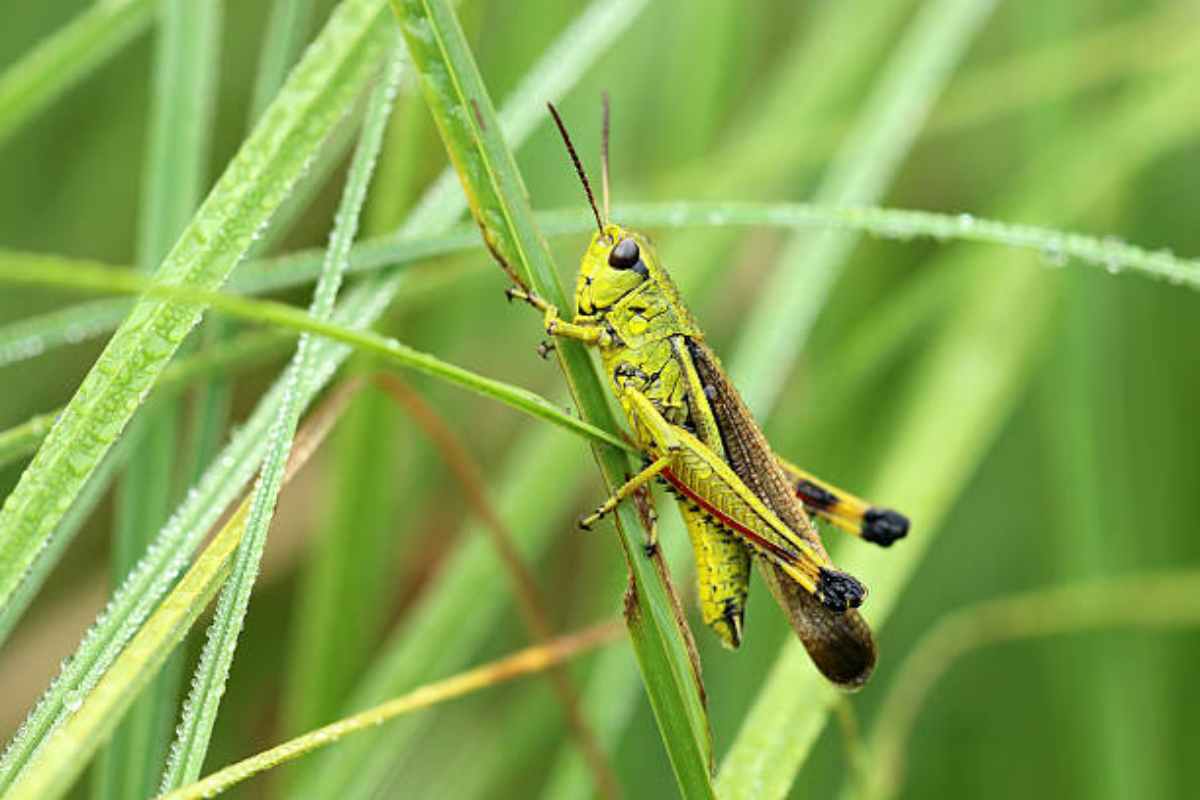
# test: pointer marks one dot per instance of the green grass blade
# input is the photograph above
(1058, 248)
(242, 352)
(257, 180)
(287, 30)
(450, 625)
(332, 74)
(69, 746)
(33, 336)
(93, 492)
(285, 316)
(1055, 247)
(1170, 600)
(914, 76)
(530, 660)
(208, 682)
(65, 58)
(180, 126)
(463, 111)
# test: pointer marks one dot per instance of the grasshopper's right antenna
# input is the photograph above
(587, 187)
(604, 153)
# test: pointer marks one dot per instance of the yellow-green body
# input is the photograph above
(648, 323)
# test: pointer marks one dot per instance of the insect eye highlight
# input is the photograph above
(625, 255)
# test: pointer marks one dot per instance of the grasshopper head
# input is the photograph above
(614, 265)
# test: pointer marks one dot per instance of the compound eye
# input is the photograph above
(625, 255)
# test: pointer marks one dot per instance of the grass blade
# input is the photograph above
(917, 71)
(69, 747)
(287, 29)
(180, 126)
(1167, 600)
(34, 336)
(65, 58)
(93, 492)
(463, 111)
(539, 657)
(286, 316)
(260, 176)
(245, 350)
(208, 682)
(332, 74)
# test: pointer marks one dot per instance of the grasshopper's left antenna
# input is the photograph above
(587, 187)
(604, 153)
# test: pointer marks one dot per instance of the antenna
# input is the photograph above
(587, 187)
(604, 153)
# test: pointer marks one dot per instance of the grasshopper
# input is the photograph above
(740, 502)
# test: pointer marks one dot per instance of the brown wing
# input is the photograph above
(839, 642)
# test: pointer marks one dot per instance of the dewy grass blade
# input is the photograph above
(287, 29)
(449, 627)
(239, 353)
(140, 592)
(185, 77)
(93, 492)
(285, 316)
(471, 132)
(208, 682)
(32, 337)
(65, 753)
(256, 182)
(65, 58)
(333, 73)
(69, 747)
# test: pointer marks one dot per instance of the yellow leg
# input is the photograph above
(631, 486)
(591, 335)
(845, 511)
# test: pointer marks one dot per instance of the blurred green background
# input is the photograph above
(1092, 470)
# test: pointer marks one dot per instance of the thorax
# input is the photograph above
(642, 324)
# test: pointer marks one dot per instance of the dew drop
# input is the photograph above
(1053, 256)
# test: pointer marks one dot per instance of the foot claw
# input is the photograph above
(545, 349)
